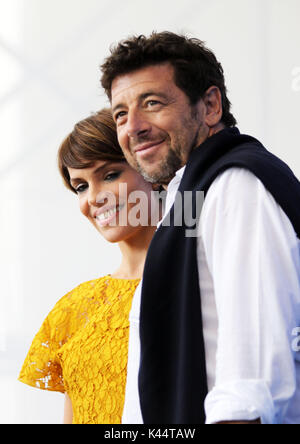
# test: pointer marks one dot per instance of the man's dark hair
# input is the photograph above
(195, 67)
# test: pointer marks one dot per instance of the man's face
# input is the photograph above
(157, 127)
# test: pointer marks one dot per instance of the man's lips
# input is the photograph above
(147, 146)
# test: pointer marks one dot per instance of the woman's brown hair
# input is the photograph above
(92, 139)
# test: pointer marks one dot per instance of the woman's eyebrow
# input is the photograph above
(96, 171)
(100, 168)
(75, 180)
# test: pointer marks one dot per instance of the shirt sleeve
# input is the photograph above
(253, 257)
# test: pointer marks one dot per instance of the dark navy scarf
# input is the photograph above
(172, 377)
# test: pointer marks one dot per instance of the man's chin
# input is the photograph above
(160, 171)
(159, 177)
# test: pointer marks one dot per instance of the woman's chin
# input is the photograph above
(115, 234)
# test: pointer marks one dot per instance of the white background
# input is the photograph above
(50, 52)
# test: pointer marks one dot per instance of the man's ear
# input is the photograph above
(213, 103)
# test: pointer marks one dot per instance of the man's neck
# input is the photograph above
(211, 131)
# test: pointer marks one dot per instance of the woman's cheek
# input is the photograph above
(83, 206)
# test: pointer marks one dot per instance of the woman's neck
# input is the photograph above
(134, 251)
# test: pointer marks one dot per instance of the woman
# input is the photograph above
(81, 349)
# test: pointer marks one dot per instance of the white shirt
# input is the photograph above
(249, 272)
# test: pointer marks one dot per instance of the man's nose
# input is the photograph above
(137, 124)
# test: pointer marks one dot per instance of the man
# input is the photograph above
(218, 310)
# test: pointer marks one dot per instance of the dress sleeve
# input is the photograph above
(41, 368)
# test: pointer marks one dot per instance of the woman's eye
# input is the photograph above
(80, 188)
(112, 176)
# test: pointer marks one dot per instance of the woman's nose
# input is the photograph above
(92, 195)
(95, 194)
(97, 197)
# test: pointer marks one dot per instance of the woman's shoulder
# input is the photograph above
(69, 311)
(80, 294)
(87, 296)
(83, 289)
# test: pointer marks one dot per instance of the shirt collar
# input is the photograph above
(177, 178)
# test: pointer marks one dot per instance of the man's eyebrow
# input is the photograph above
(141, 97)
(118, 106)
(152, 93)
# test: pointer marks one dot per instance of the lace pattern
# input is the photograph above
(82, 349)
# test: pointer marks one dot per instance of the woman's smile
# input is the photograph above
(105, 192)
(108, 216)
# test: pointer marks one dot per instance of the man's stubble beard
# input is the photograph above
(167, 168)
(177, 155)
(175, 159)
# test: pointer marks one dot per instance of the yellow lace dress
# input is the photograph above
(82, 349)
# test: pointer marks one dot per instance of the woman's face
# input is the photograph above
(114, 197)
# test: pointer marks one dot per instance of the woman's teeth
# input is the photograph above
(108, 213)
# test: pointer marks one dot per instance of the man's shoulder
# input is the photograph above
(235, 183)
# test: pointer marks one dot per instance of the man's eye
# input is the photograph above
(153, 103)
(119, 115)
